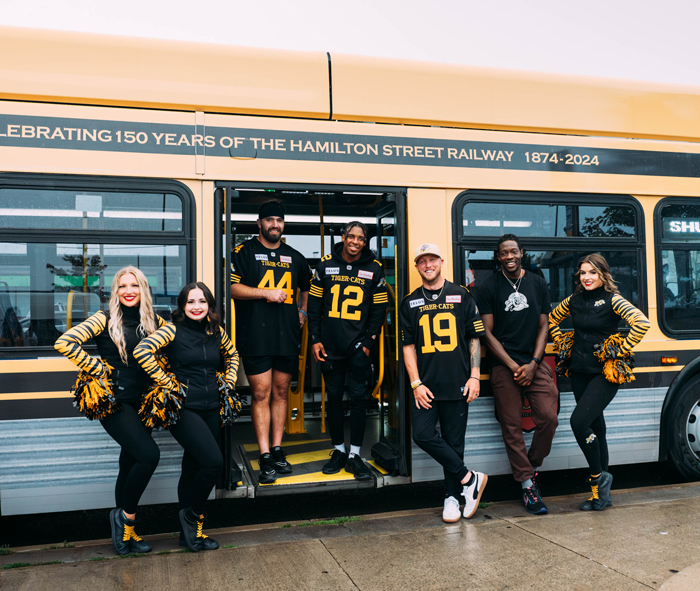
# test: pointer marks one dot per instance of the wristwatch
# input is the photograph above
(537, 360)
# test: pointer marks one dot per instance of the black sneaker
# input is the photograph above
(598, 502)
(267, 474)
(533, 502)
(207, 542)
(282, 466)
(358, 468)
(536, 481)
(337, 461)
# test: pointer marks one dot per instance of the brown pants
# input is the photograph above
(542, 395)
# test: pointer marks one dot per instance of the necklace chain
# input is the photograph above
(435, 297)
(516, 285)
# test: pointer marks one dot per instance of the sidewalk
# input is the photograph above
(650, 539)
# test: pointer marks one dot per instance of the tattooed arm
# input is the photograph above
(471, 388)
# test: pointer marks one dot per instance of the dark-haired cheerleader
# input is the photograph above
(194, 346)
(116, 332)
(598, 360)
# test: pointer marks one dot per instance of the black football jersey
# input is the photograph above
(347, 303)
(441, 329)
(262, 327)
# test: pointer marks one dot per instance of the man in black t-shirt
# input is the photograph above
(514, 306)
(347, 304)
(265, 276)
(440, 328)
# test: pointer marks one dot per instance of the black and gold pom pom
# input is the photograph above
(230, 402)
(94, 397)
(562, 347)
(161, 404)
(617, 363)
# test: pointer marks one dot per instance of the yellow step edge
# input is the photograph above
(311, 478)
(377, 467)
(312, 456)
(35, 395)
(254, 446)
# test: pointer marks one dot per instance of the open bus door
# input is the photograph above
(312, 225)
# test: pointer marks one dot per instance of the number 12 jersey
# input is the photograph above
(440, 324)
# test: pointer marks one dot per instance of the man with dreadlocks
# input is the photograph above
(599, 361)
(514, 305)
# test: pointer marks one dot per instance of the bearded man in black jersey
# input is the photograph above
(265, 276)
(515, 305)
(441, 329)
(347, 304)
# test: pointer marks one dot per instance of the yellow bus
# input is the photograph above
(117, 151)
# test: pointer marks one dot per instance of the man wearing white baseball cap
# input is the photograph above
(440, 331)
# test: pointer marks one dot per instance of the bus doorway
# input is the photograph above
(313, 221)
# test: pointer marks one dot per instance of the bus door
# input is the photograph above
(313, 221)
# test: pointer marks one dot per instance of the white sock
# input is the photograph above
(527, 483)
(354, 450)
(340, 447)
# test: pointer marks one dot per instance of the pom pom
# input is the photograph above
(230, 402)
(162, 403)
(562, 347)
(617, 363)
(94, 396)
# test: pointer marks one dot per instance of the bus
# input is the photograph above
(122, 151)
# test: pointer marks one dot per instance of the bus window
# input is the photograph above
(556, 231)
(678, 267)
(551, 220)
(60, 248)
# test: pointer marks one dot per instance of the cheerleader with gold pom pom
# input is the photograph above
(190, 401)
(110, 388)
(598, 359)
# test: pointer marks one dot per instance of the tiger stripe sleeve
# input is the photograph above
(639, 323)
(556, 317)
(70, 344)
(145, 352)
(160, 322)
(231, 359)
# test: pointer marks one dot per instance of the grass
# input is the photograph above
(49, 562)
(4, 550)
(286, 526)
(484, 505)
(336, 521)
(230, 546)
(98, 558)
(132, 555)
(15, 565)
(66, 544)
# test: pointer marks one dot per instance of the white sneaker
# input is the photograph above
(472, 493)
(451, 512)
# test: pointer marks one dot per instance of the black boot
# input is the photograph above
(600, 499)
(137, 545)
(189, 521)
(207, 542)
(121, 536)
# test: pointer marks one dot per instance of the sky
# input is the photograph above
(640, 40)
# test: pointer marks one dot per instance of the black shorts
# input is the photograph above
(262, 363)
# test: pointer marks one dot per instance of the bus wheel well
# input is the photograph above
(681, 427)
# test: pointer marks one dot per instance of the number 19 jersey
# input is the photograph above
(265, 328)
(440, 324)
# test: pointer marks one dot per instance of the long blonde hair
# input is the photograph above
(147, 325)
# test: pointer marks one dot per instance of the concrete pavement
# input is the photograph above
(650, 539)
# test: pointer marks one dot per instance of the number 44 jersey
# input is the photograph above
(440, 324)
(262, 327)
(347, 303)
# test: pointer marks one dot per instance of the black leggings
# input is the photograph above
(198, 432)
(138, 459)
(593, 393)
(358, 368)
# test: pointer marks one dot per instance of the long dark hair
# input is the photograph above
(212, 316)
(600, 265)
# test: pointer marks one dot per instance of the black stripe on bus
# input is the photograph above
(50, 408)
(52, 381)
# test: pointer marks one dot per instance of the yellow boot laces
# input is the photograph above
(200, 533)
(594, 490)
(130, 534)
